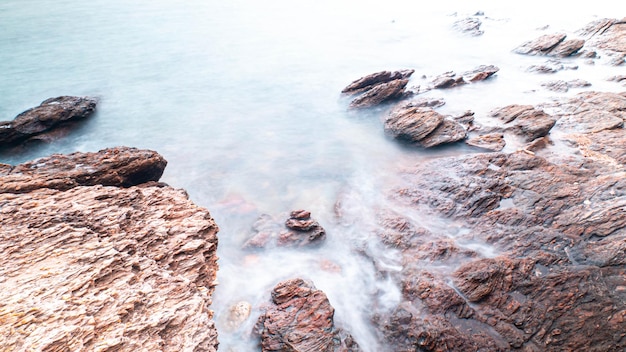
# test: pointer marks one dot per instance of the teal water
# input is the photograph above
(242, 98)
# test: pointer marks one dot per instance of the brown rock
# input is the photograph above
(298, 230)
(300, 318)
(120, 166)
(607, 34)
(106, 268)
(591, 112)
(480, 73)
(563, 86)
(492, 141)
(374, 79)
(50, 114)
(412, 123)
(381, 93)
(447, 80)
(525, 120)
(542, 45)
(449, 131)
(567, 48)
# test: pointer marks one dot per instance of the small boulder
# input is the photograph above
(469, 25)
(370, 81)
(381, 93)
(493, 141)
(525, 120)
(540, 46)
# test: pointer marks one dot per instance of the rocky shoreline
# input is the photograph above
(99, 255)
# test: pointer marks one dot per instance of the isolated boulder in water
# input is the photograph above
(299, 230)
(89, 268)
(368, 82)
(120, 167)
(301, 319)
(469, 25)
(380, 93)
(51, 114)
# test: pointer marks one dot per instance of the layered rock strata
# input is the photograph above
(99, 257)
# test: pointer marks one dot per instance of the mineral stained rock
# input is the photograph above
(525, 120)
(300, 318)
(381, 93)
(368, 82)
(50, 114)
(536, 242)
(103, 267)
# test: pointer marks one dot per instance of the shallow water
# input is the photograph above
(242, 98)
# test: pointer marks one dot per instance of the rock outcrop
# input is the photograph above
(96, 260)
(422, 126)
(300, 318)
(469, 25)
(53, 113)
(525, 120)
(551, 45)
(379, 87)
(534, 245)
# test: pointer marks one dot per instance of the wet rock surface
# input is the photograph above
(551, 45)
(53, 113)
(300, 318)
(525, 120)
(422, 126)
(534, 245)
(103, 267)
(299, 230)
(378, 87)
(492, 141)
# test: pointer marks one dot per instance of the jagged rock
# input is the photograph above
(447, 80)
(492, 141)
(300, 319)
(618, 79)
(480, 73)
(589, 112)
(567, 48)
(298, 230)
(121, 166)
(542, 45)
(563, 86)
(525, 120)
(50, 114)
(551, 66)
(94, 268)
(469, 25)
(449, 131)
(370, 81)
(607, 34)
(381, 93)
(412, 123)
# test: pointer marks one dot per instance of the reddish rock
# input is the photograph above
(412, 123)
(374, 79)
(480, 73)
(380, 94)
(120, 166)
(542, 45)
(492, 141)
(299, 230)
(589, 112)
(88, 268)
(449, 131)
(447, 80)
(525, 120)
(300, 318)
(50, 114)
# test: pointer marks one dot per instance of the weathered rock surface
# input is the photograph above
(368, 82)
(525, 120)
(381, 93)
(607, 34)
(535, 242)
(101, 268)
(480, 73)
(121, 166)
(299, 230)
(491, 141)
(469, 25)
(551, 45)
(563, 86)
(300, 318)
(50, 114)
(422, 126)
(551, 66)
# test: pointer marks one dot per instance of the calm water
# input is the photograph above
(242, 98)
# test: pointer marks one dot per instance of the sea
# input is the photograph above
(243, 98)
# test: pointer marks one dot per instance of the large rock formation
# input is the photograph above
(300, 319)
(532, 258)
(51, 114)
(422, 126)
(98, 257)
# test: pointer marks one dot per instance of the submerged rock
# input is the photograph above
(100, 267)
(469, 25)
(563, 86)
(300, 318)
(50, 114)
(299, 230)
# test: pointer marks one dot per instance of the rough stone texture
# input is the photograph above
(532, 257)
(449, 131)
(412, 123)
(447, 80)
(121, 166)
(299, 230)
(469, 25)
(50, 114)
(525, 120)
(381, 93)
(103, 268)
(492, 141)
(607, 34)
(563, 86)
(551, 66)
(300, 319)
(368, 82)
(480, 73)
(542, 45)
